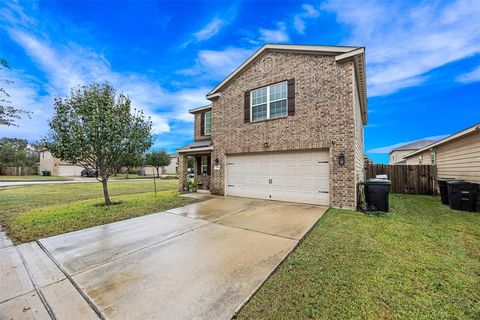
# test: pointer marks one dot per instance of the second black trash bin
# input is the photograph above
(376, 194)
(462, 195)
(442, 185)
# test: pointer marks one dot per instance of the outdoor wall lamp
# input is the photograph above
(215, 162)
(341, 159)
(266, 144)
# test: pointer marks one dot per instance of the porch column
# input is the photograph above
(182, 170)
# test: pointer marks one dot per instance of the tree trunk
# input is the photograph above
(105, 191)
(158, 174)
(127, 172)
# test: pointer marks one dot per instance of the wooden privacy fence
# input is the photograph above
(416, 179)
(18, 171)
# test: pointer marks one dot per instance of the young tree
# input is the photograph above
(157, 159)
(8, 113)
(95, 127)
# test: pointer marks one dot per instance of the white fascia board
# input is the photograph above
(349, 54)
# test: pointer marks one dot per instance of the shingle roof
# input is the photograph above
(414, 145)
(196, 144)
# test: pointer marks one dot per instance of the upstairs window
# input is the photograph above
(434, 160)
(269, 102)
(208, 123)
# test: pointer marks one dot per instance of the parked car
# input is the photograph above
(89, 173)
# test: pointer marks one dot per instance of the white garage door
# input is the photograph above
(298, 176)
(65, 170)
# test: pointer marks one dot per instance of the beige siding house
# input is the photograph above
(286, 125)
(457, 156)
(171, 169)
(56, 166)
(397, 155)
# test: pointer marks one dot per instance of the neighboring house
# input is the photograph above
(457, 156)
(286, 125)
(56, 166)
(397, 155)
(172, 168)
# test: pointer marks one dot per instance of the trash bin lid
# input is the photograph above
(379, 181)
(457, 182)
(447, 179)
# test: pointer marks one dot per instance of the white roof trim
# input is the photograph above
(454, 136)
(349, 54)
(299, 48)
(208, 106)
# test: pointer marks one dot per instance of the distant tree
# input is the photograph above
(8, 113)
(17, 153)
(157, 159)
(95, 127)
(133, 161)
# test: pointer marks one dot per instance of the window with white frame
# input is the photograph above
(208, 123)
(204, 166)
(432, 155)
(269, 102)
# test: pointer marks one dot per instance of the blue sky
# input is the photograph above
(423, 57)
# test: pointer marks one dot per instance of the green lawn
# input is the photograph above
(22, 178)
(420, 261)
(33, 212)
(122, 176)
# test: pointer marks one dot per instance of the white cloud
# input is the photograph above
(275, 35)
(217, 64)
(403, 43)
(214, 26)
(209, 30)
(67, 66)
(472, 76)
(24, 94)
(308, 12)
(387, 149)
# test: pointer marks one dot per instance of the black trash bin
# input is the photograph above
(376, 194)
(462, 195)
(442, 185)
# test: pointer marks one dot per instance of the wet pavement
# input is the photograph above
(201, 261)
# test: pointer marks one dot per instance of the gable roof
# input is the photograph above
(419, 144)
(457, 135)
(357, 54)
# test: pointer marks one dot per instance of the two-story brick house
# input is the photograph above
(286, 125)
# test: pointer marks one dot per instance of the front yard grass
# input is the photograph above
(419, 261)
(33, 212)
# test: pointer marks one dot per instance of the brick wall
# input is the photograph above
(197, 127)
(182, 170)
(324, 117)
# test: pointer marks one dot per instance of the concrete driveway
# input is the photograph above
(201, 261)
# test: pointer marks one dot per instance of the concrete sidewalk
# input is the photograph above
(201, 261)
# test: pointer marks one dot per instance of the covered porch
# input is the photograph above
(195, 162)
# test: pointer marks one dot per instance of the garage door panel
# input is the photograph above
(68, 170)
(300, 176)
